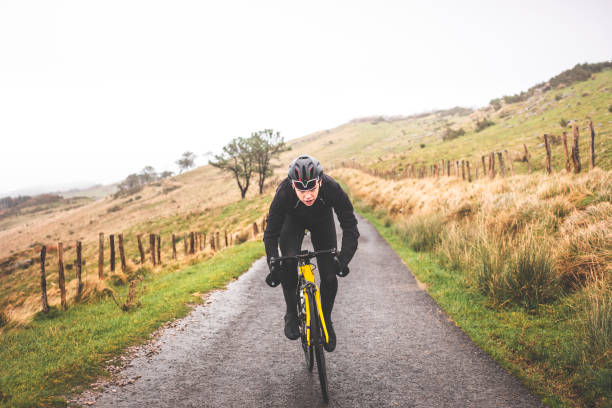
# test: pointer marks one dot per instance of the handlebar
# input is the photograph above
(304, 255)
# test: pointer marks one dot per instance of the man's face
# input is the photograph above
(308, 197)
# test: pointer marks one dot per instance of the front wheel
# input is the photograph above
(317, 339)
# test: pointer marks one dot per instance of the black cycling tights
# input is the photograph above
(323, 236)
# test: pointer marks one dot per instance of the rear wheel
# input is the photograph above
(317, 342)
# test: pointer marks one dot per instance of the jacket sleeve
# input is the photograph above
(274, 222)
(346, 215)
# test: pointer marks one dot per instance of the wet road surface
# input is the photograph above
(396, 348)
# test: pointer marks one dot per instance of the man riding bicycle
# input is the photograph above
(303, 201)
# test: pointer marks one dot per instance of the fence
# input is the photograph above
(193, 243)
(463, 168)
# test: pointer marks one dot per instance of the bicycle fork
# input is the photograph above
(319, 309)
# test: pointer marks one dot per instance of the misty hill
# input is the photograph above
(377, 142)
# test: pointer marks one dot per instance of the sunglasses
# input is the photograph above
(306, 185)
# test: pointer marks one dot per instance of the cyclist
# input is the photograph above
(304, 200)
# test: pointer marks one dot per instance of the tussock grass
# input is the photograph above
(529, 247)
(421, 234)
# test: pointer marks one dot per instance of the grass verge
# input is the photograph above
(55, 355)
(542, 349)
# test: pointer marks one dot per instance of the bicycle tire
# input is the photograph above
(308, 350)
(317, 342)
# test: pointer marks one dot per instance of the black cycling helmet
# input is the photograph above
(304, 172)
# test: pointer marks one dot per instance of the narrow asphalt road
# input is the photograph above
(396, 347)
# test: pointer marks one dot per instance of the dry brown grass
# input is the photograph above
(566, 218)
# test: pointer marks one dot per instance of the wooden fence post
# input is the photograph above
(509, 162)
(122, 254)
(484, 168)
(191, 243)
(173, 246)
(101, 257)
(568, 166)
(43, 279)
(212, 241)
(592, 144)
(527, 158)
(60, 267)
(152, 248)
(79, 268)
(492, 165)
(200, 241)
(469, 172)
(547, 146)
(463, 169)
(185, 243)
(226, 241)
(502, 166)
(255, 230)
(111, 239)
(159, 249)
(204, 233)
(217, 240)
(448, 168)
(141, 249)
(575, 149)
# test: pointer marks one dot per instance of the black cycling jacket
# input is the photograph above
(330, 196)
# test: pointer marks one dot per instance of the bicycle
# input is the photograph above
(313, 330)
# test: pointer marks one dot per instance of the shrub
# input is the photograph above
(450, 134)
(483, 124)
(610, 108)
(495, 104)
(3, 319)
(563, 123)
(422, 145)
(114, 208)
(558, 97)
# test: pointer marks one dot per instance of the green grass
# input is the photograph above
(542, 349)
(61, 352)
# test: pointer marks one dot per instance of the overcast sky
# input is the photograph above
(93, 91)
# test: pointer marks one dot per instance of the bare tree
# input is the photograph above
(186, 161)
(237, 158)
(266, 145)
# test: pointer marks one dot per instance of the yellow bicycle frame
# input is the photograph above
(307, 272)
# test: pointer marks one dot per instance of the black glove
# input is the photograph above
(341, 269)
(274, 277)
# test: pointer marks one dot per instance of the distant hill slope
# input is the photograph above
(396, 142)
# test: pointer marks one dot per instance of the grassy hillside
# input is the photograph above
(394, 143)
(522, 264)
(20, 273)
